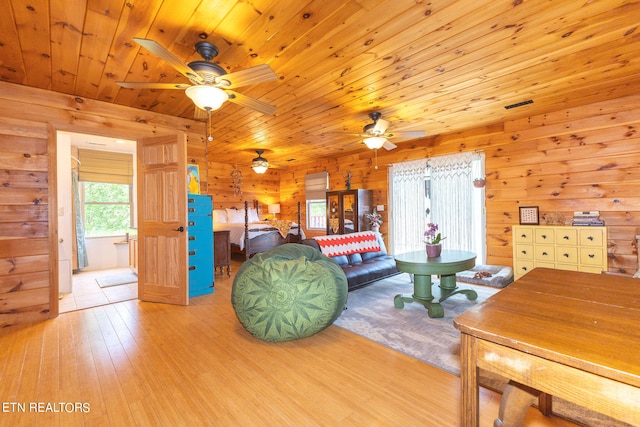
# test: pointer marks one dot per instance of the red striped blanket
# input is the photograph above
(345, 244)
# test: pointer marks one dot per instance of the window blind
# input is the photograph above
(316, 185)
(105, 166)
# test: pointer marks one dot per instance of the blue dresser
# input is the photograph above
(200, 232)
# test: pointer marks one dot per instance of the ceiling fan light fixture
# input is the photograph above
(374, 142)
(260, 164)
(207, 97)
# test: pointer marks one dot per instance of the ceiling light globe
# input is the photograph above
(260, 167)
(207, 97)
(374, 142)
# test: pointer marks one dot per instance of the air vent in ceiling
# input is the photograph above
(519, 104)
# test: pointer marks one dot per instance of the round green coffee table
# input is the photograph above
(446, 265)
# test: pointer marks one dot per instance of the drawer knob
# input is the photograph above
(544, 236)
(544, 254)
(524, 268)
(590, 238)
(566, 255)
(592, 255)
(524, 236)
(566, 237)
(524, 252)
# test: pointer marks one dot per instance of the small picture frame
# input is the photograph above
(193, 179)
(529, 215)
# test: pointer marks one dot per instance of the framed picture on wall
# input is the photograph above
(529, 215)
(193, 179)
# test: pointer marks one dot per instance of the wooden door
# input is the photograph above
(162, 220)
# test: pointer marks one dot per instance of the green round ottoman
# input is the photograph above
(288, 293)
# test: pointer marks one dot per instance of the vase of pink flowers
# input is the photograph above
(375, 220)
(432, 239)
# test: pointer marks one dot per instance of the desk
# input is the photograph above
(446, 265)
(569, 334)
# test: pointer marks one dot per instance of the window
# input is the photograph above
(106, 208)
(106, 195)
(316, 186)
(317, 214)
(438, 190)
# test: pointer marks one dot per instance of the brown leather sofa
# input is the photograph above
(363, 268)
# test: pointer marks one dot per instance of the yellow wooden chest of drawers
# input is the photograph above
(560, 247)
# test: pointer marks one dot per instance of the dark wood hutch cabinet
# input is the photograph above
(346, 210)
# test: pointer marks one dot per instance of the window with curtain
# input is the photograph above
(438, 190)
(315, 189)
(106, 181)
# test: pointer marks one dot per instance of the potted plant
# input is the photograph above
(375, 219)
(432, 239)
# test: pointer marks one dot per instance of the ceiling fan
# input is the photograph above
(376, 136)
(260, 165)
(211, 85)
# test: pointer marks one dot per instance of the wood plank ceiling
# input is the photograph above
(440, 66)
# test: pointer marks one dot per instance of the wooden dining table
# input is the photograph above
(569, 334)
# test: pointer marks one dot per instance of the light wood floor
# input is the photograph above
(135, 363)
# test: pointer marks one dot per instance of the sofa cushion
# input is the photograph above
(355, 259)
(381, 252)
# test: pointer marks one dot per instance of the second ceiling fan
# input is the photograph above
(375, 134)
(211, 85)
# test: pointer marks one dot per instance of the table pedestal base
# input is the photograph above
(422, 294)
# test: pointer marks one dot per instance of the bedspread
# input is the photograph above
(236, 230)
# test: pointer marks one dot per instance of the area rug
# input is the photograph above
(370, 313)
(116, 279)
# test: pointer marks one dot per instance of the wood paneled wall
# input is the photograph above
(579, 159)
(585, 158)
(29, 119)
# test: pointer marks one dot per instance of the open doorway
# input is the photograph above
(96, 220)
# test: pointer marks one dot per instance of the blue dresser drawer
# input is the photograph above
(200, 243)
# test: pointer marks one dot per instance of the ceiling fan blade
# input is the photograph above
(380, 127)
(253, 103)
(162, 53)
(388, 145)
(410, 134)
(250, 76)
(141, 85)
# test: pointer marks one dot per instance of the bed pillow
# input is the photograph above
(235, 216)
(253, 215)
(219, 216)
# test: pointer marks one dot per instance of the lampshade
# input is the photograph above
(374, 142)
(274, 209)
(207, 97)
(260, 164)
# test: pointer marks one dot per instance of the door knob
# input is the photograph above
(180, 229)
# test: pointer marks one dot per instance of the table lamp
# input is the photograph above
(274, 209)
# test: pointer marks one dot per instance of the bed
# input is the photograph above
(249, 235)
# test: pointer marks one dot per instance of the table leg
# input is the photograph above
(421, 294)
(448, 288)
(470, 390)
